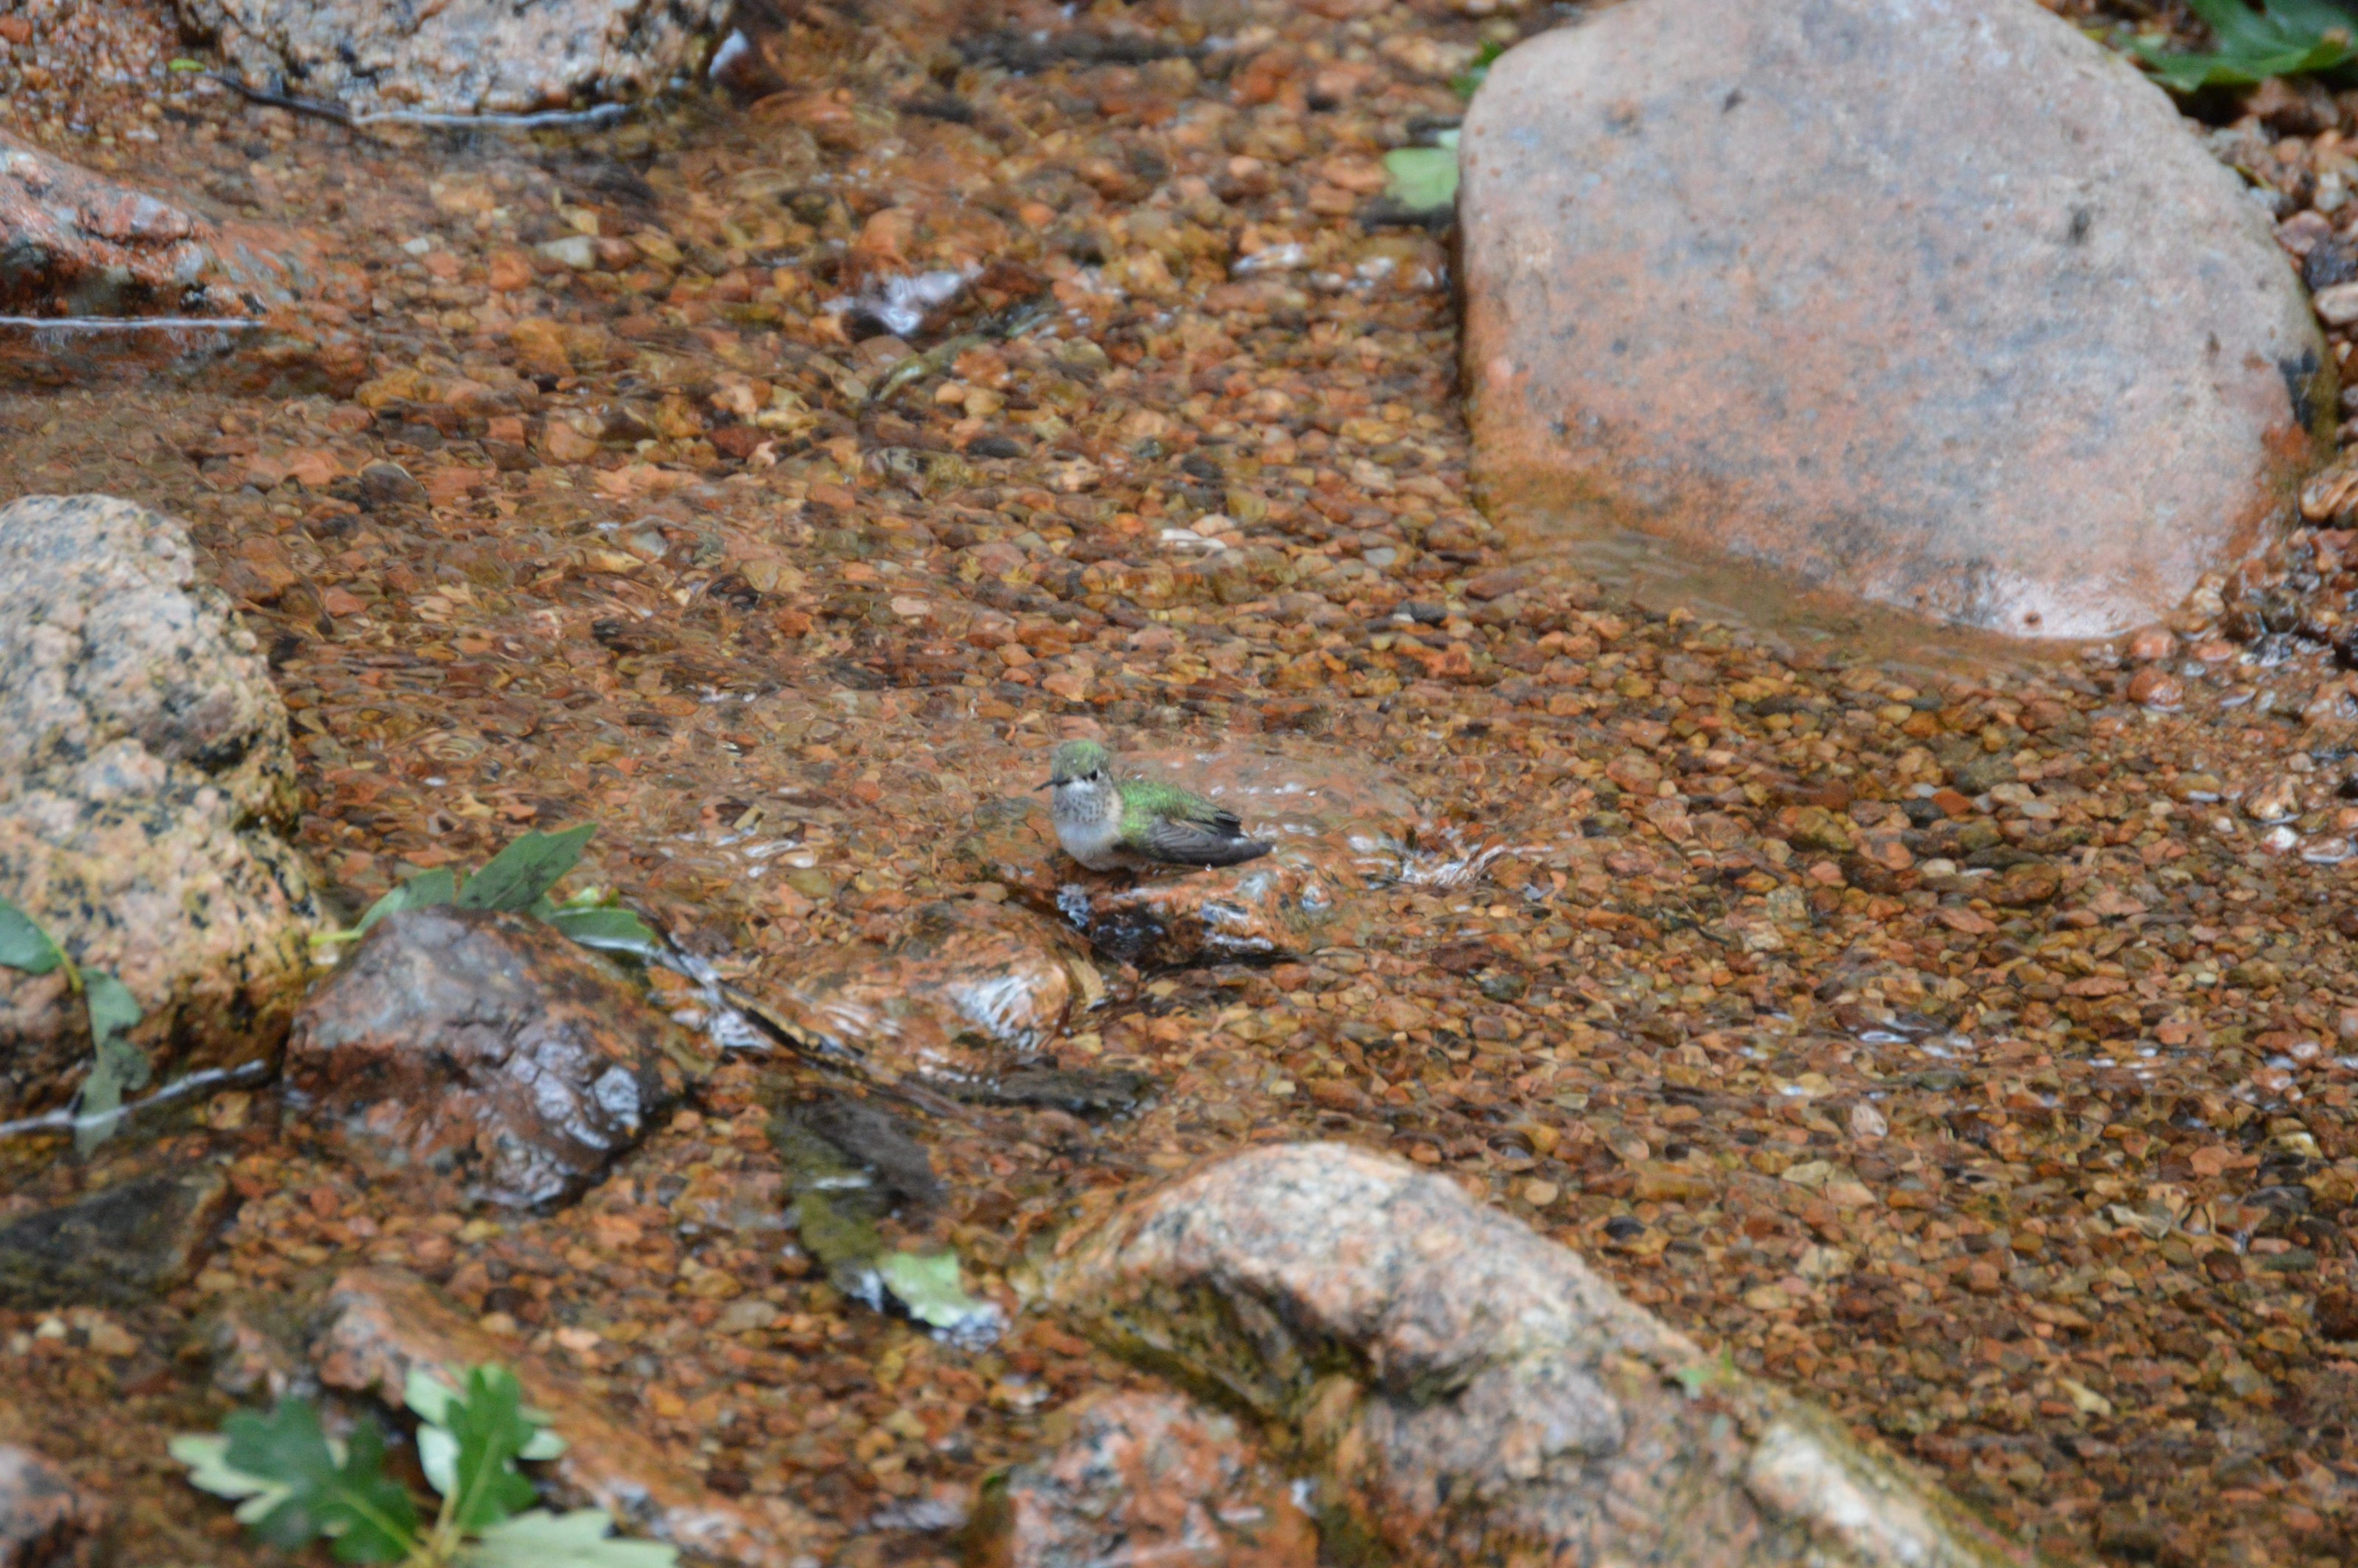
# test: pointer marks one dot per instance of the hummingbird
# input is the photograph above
(1109, 823)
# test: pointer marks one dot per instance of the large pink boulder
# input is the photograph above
(1940, 306)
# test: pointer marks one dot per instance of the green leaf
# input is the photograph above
(1423, 180)
(184, 63)
(493, 1432)
(2285, 38)
(370, 1516)
(928, 1285)
(1467, 82)
(207, 1457)
(526, 870)
(1699, 1377)
(23, 945)
(436, 886)
(117, 1066)
(113, 1008)
(431, 1397)
(575, 1540)
(437, 1456)
(609, 930)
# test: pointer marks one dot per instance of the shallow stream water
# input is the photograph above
(1936, 1034)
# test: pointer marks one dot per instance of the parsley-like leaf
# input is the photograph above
(368, 1516)
(207, 1457)
(576, 1539)
(928, 1285)
(488, 1421)
(431, 1396)
(1467, 82)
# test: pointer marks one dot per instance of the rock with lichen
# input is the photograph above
(145, 782)
(1144, 1477)
(1465, 1391)
(474, 57)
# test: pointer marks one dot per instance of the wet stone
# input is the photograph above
(145, 779)
(487, 1049)
(255, 1345)
(2336, 1312)
(1279, 906)
(1467, 1391)
(46, 1521)
(476, 57)
(80, 245)
(122, 1247)
(1145, 1478)
(871, 1139)
(381, 1323)
(388, 484)
(1661, 338)
(970, 986)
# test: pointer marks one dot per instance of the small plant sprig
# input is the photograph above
(1425, 179)
(2284, 38)
(1467, 82)
(519, 879)
(117, 1066)
(294, 1485)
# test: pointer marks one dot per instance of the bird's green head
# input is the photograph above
(1076, 760)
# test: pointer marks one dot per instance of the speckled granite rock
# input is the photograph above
(80, 245)
(485, 1048)
(145, 775)
(46, 1521)
(468, 56)
(1145, 1478)
(1468, 1391)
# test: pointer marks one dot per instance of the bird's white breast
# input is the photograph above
(1091, 840)
(1089, 824)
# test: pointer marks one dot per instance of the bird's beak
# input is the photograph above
(1045, 784)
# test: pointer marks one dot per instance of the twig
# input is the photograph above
(603, 113)
(133, 323)
(63, 1118)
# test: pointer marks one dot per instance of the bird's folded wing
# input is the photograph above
(1199, 844)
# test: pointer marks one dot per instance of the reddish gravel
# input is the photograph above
(1962, 1042)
